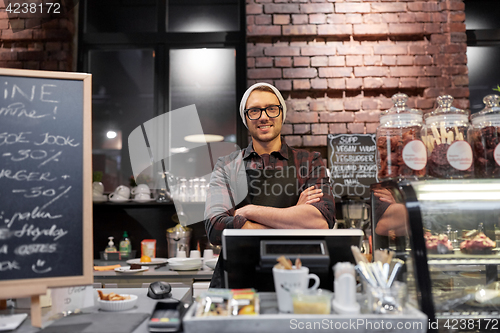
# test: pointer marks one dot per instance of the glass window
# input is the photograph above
(484, 64)
(482, 14)
(202, 15)
(120, 16)
(122, 99)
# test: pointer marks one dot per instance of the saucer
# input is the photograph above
(143, 200)
(127, 270)
(118, 199)
(99, 198)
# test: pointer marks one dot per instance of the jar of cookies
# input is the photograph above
(486, 139)
(446, 135)
(401, 154)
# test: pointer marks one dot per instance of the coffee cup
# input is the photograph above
(181, 254)
(195, 254)
(142, 196)
(116, 197)
(288, 280)
(97, 188)
(141, 188)
(123, 191)
(208, 254)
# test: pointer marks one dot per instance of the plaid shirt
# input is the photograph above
(228, 185)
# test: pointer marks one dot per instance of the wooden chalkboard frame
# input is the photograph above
(38, 286)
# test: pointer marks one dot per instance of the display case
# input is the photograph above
(448, 234)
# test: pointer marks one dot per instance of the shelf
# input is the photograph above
(464, 259)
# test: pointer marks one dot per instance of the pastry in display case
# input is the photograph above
(446, 232)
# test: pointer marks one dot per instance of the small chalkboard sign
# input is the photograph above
(352, 164)
(45, 181)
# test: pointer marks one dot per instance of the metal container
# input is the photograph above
(178, 239)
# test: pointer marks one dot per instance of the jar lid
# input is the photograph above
(445, 107)
(400, 113)
(491, 110)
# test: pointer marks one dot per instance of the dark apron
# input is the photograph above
(272, 188)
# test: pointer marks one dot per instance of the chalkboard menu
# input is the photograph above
(352, 164)
(45, 178)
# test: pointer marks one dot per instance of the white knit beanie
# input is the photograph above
(247, 93)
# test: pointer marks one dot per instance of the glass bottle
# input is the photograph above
(125, 246)
(111, 245)
(446, 135)
(401, 153)
(486, 139)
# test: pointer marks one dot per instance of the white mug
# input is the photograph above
(195, 254)
(181, 254)
(142, 196)
(97, 188)
(287, 280)
(141, 188)
(116, 197)
(123, 191)
(208, 254)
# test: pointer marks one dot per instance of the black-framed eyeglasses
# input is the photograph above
(272, 111)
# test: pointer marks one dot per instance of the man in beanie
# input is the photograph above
(268, 184)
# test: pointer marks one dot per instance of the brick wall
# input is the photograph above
(27, 44)
(338, 62)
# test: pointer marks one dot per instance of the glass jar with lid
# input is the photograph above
(486, 139)
(446, 135)
(401, 154)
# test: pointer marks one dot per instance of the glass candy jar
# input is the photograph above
(446, 135)
(485, 139)
(401, 154)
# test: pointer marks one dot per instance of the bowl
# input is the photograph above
(211, 263)
(309, 301)
(184, 261)
(118, 305)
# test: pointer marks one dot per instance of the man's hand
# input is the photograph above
(243, 211)
(253, 225)
(384, 195)
(310, 195)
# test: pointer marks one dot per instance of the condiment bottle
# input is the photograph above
(486, 139)
(125, 246)
(401, 154)
(111, 245)
(446, 135)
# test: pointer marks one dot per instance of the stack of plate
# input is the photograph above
(184, 264)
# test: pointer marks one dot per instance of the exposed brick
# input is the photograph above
(354, 60)
(317, 105)
(353, 18)
(453, 5)
(354, 83)
(302, 117)
(433, 71)
(390, 49)
(366, 116)
(31, 55)
(408, 82)
(300, 19)
(267, 73)
(281, 9)
(369, 104)
(443, 82)
(457, 16)
(301, 85)
(458, 37)
(373, 18)
(317, 19)
(318, 50)
(319, 128)
(423, 60)
(370, 29)
(314, 140)
(419, 6)
(354, 49)
(388, 7)
(319, 84)
(283, 62)
(336, 84)
(405, 60)
(406, 28)
(356, 128)
(254, 50)
(334, 29)
(302, 129)
(407, 71)
(250, 62)
(263, 30)
(21, 35)
(372, 83)
(458, 92)
(299, 73)
(294, 140)
(462, 103)
(425, 82)
(440, 39)
(254, 9)
(424, 103)
(337, 128)
(264, 62)
(461, 80)
(390, 83)
(432, 92)
(316, 8)
(432, 28)
(319, 61)
(408, 18)
(334, 72)
(6, 55)
(370, 71)
(372, 60)
(343, 7)
(455, 48)
(287, 129)
(423, 17)
(336, 61)
(281, 19)
(282, 51)
(371, 127)
(299, 105)
(299, 30)
(416, 49)
(457, 27)
(352, 104)
(283, 85)
(336, 117)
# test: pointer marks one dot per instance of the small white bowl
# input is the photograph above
(184, 261)
(211, 262)
(118, 305)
